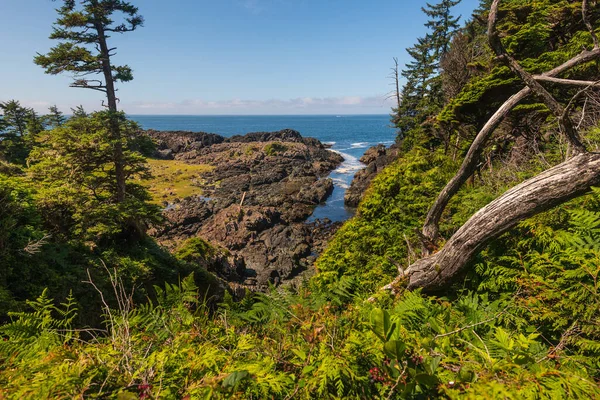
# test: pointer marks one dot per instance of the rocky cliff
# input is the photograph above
(258, 194)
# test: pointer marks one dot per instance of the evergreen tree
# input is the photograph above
(418, 74)
(15, 118)
(422, 95)
(35, 124)
(79, 111)
(55, 118)
(84, 27)
(442, 26)
(73, 170)
(18, 128)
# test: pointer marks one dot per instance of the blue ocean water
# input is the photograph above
(350, 135)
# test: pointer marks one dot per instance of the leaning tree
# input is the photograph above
(554, 186)
(83, 29)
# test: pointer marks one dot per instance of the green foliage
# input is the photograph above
(55, 118)
(83, 29)
(19, 227)
(195, 249)
(372, 245)
(18, 127)
(74, 170)
(272, 149)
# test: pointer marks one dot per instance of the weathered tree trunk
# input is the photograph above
(396, 73)
(563, 182)
(552, 187)
(468, 166)
(113, 118)
(430, 231)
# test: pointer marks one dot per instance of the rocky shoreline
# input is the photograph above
(261, 188)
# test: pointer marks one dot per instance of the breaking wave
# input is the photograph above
(350, 164)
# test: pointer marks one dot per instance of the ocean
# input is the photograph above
(349, 135)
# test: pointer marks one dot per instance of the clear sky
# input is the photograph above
(229, 56)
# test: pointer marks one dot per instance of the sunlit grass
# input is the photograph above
(172, 179)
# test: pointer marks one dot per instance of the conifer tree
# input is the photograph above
(442, 24)
(55, 118)
(83, 29)
(79, 112)
(422, 94)
(15, 118)
(18, 127)
(35, 124)
(414, 93)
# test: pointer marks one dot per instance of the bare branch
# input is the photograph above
(34, 247)
(566, 82)
(565, 123)
(573, 100)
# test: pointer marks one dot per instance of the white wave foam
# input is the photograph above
(359, 145)
(350, 164)
(329, 143)
(341, 183)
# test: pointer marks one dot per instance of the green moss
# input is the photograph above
(197, 249)
(274, 148)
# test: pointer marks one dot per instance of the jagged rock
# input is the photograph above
(166, 154)
(180, 141)
(280, 175)
(285, 135)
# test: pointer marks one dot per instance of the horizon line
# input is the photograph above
(254, 115)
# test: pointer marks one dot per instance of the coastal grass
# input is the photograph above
(173, 179)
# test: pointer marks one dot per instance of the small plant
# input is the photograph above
(273, 148)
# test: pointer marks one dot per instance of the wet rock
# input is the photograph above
(376, 158)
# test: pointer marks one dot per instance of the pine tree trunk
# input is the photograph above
(113, 118)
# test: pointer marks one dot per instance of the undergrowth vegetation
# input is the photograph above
(522, 323)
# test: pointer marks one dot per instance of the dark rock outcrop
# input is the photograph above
(261, 189)
(376, 158)
(181, 141)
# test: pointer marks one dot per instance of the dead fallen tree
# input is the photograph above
(555, 186)
(430, 231)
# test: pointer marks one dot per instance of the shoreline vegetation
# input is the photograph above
(471, 269)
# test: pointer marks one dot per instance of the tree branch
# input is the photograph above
(566, 82)
(469, 164)
(586, 21)
(566, 125)
(552, 187)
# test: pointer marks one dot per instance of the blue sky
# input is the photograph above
(229, 56)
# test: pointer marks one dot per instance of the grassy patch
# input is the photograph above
(172, 179)
(273, 148)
